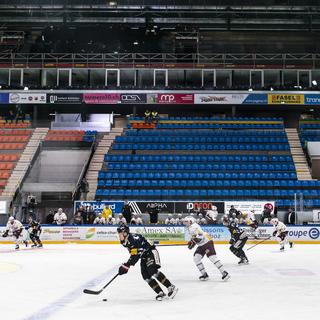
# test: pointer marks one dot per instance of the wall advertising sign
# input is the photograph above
(282, 98)
(101, 98)
(4, 98)
(218, 98)
(25, 98)
(142, 207)
(72, 98)
(98, 206)
(196, 206)
(312, 99)
(3, 207)
(136, 98)
(175, 98)
(246, 206)
(256, 98)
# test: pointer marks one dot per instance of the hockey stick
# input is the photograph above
(88, 291)
(259, 242)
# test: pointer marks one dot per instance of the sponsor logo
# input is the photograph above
(212, 99)
(160, 205)
(199, 205)
(14, 97)
(285, 99)
(130, 97)
(53, 99)
(314, 233)
(166, 98)
(90, 233)
(51, 231)
(298, 234)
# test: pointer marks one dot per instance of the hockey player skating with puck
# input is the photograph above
(205, 247)
(139, 248)
(34, 228)
(15, 228)
(238, 239)
(281, 233)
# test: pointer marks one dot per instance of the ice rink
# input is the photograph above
(48, 283)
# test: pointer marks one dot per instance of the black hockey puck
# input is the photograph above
(104, 299)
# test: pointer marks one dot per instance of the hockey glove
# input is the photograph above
(123, 269)
(5, 234)
(231, 241)
(191, 244)
(274, 233)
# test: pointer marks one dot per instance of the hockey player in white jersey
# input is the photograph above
(15, 228)
(281, 233)
(205, 247)
(120, 219)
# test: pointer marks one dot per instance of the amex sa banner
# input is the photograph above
(280, 98)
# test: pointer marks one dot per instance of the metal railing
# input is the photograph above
(160, 60)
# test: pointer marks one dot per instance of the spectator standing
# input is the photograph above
(84, 189)
(60, 218)
(155, 116)
(50, 217)
(153, 212)
(106, 212)
(291, 216)
(147, 116)
(127, 212)
(77, 219)
(91, 214)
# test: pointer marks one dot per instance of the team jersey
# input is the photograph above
(99, 220)
(198, 234)
(15, 226)
(280, 228)
(35, 226)
(137, 246)
(236, 232)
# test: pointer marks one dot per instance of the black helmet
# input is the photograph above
(123, 228)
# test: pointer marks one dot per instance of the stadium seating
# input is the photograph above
(237, 162)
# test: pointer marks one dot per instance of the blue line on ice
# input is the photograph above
(59, 304)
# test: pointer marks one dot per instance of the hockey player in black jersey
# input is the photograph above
(139, 248)
(34, 228)
(237, 241)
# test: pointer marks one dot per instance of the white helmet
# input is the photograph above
(188, 221)
(214, 208)
(274, 221)
(11, 219)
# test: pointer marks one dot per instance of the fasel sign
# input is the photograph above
(175, 98)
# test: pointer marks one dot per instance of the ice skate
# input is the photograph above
(172, 291)
(160, 296)
(204, 277)
(225, 276)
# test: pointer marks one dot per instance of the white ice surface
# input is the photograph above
(47, 284)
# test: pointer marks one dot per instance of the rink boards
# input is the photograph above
(166, 235)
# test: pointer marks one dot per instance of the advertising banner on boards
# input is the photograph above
(28, 98)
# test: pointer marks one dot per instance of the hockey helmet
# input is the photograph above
(188, 221)
(123, 228)
(274, 221)
(225, 220)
